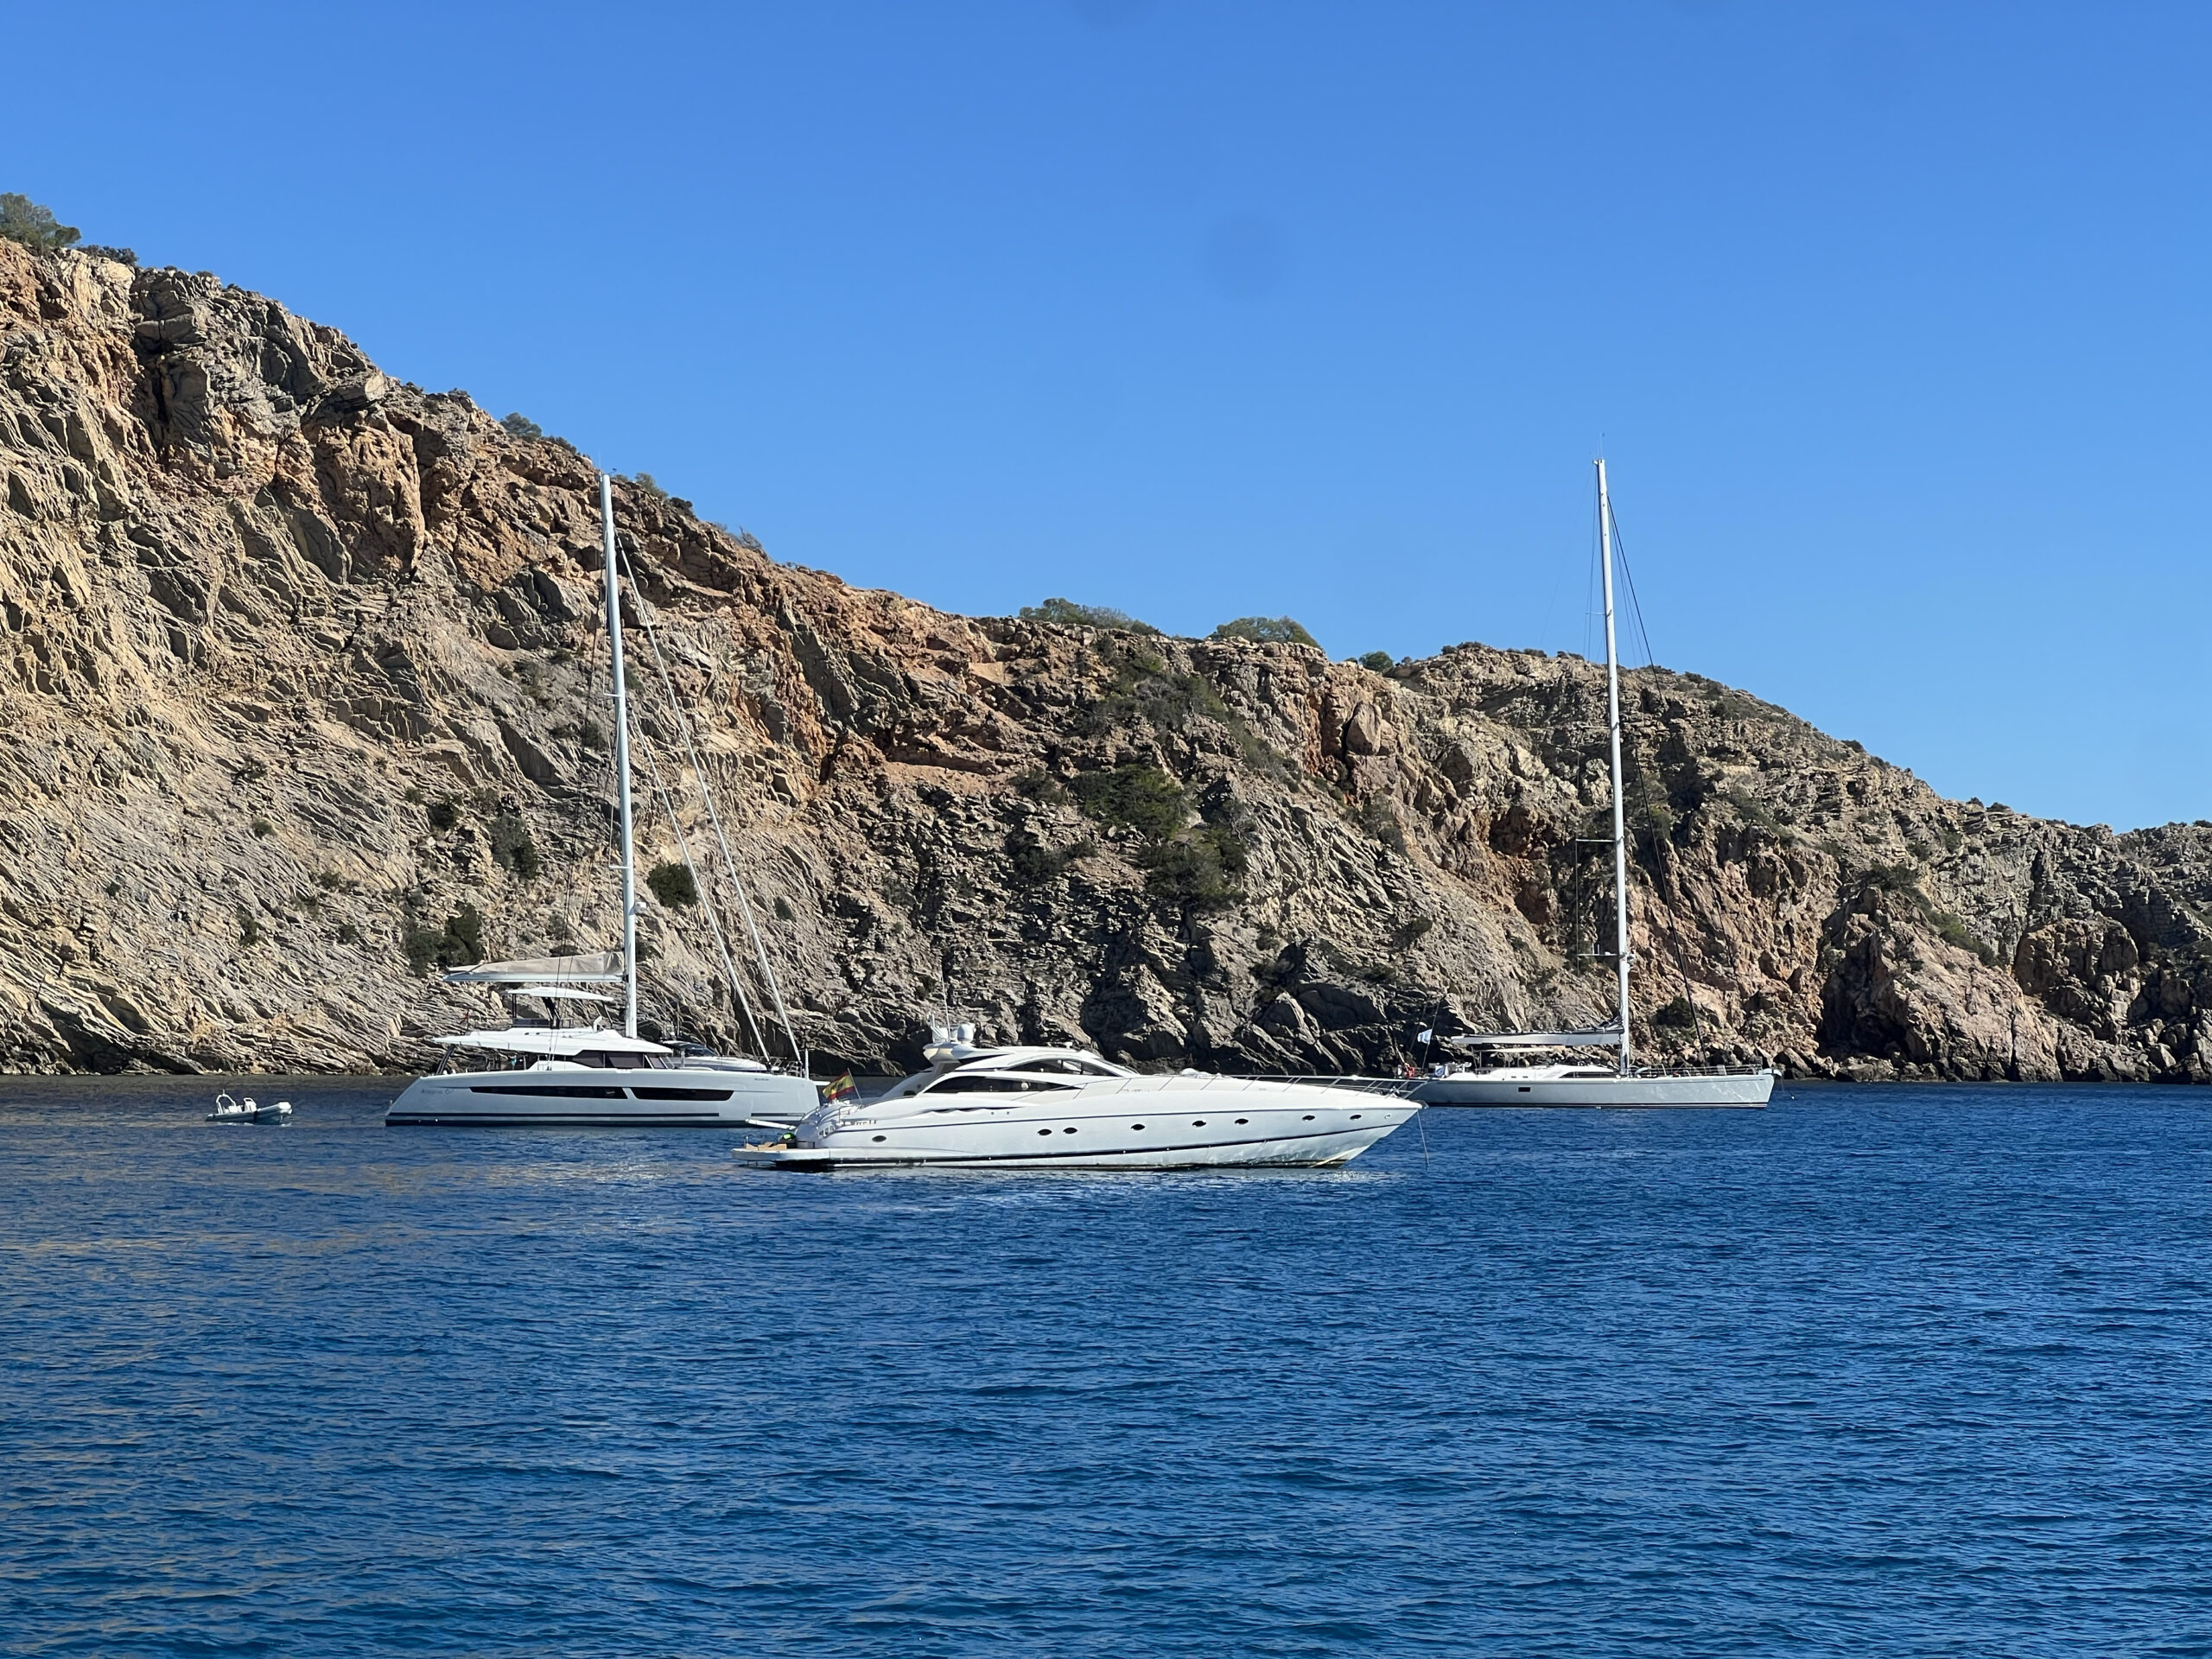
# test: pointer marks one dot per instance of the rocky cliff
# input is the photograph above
(303, 690)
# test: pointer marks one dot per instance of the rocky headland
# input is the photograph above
(302, 692)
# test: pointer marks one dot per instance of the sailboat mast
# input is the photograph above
(622, 764)
(1613, 727)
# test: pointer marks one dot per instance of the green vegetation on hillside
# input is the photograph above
(1142, 798)
(458, 942)
(1067, 612)
(1196, 871)
(1267, 631)
(673, 883)
(511, 847)
(23, 220)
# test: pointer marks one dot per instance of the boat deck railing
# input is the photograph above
(1335, 1080)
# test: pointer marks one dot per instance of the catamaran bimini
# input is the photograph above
(580, 1076)
(1587, 1084)
(1067, 1109)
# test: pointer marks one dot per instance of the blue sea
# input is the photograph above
(1911, 1371)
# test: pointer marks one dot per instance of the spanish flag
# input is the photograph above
(840, 1089)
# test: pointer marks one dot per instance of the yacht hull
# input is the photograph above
(1140, 1125)
(582, 1097)
(1749, 1090)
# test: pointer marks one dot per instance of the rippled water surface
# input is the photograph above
(1901, 1371)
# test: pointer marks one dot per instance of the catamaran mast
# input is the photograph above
(622, 763)
(1613, 724)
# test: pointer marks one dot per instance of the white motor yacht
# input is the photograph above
(575, 1077)
(1068, 1108)
(1587, 1083)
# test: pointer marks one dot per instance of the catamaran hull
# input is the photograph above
(1752, 1090)
(585, 1098)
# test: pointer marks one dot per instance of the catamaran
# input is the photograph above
(582, 1076)
(1583, 1083)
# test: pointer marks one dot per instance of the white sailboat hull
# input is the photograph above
(576, 1097)
(1472, 1088)
(1127, 1123)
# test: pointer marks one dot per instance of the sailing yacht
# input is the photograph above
(579, 1075)
(1067, 1109)
(1587, 1083)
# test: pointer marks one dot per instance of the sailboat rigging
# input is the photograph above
(585, 1075)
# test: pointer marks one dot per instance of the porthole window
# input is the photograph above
(1068, 1131)
(879, 1137)
(1355, 1117)
(1043, 1131)
(1309, 1117)
(1243, 1120)
(1197, 1122)
(1136, 1125)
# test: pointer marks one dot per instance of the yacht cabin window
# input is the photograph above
(987, 1083)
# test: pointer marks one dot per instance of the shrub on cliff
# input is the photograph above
(673, 883)
(1900, 879)
(1376, 662)
(1953, 930)
(456, 945)
(1200, 871)
(1266, 631)
(1034, 864)
(744, 537)
(1142, 798)
(1752, 811)
(1067, 612)
(23, 220)
(512, 847)
(1904, 880)
(1145, 687)
(521, 426)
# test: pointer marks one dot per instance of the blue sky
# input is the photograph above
(1891, 318)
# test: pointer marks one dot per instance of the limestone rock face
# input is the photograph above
(303, 687)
